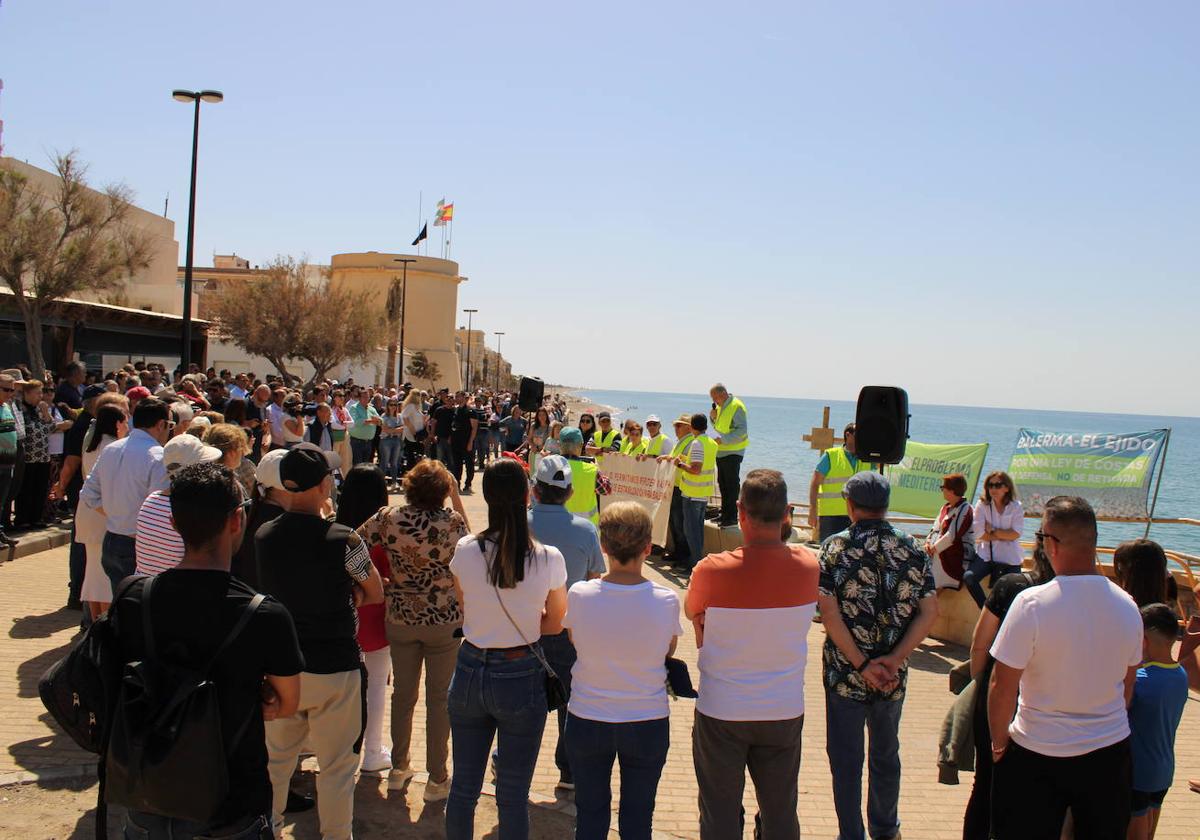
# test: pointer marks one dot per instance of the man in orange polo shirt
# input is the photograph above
(752, 608)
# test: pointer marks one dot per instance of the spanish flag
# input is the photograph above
(444, 214)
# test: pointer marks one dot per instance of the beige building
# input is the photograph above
(431, 299)
(155, 287)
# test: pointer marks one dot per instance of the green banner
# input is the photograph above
(917, 480)
(1112, 471)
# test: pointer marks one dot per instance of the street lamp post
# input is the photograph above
(403, 311)
(212, 96)
(470, 312)
(498, 335)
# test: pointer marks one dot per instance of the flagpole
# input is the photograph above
(450, 239)
(420, 213)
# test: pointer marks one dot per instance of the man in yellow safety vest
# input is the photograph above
(683, 434)
(656, 442)
(697, 472)
(606, 438)
(827, 513)
(729, 419)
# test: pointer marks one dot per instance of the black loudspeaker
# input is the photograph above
(881, 422)
(532, 391)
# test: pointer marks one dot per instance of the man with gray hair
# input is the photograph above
(729, 419)
(878, 602)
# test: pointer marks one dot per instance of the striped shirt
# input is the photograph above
(158, 546)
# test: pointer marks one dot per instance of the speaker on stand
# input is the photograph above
(532, 391)
(881, 424)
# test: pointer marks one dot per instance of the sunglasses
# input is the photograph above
(996, 485)
(1042, 535)
(244, 505)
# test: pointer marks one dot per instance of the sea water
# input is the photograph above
(777, 427)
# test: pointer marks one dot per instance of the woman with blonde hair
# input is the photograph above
(235, 446)
(998, 523)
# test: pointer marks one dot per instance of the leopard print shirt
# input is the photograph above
(419, 544)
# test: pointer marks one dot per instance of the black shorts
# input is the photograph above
(1142, 801)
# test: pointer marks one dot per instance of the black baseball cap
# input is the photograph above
(305, 466)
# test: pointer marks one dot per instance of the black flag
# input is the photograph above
(424, 234)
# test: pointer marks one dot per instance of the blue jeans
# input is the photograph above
(444, 452)
(360, 451)
(641, 749)
(501, 695)
(117, 557)
(693, 528)
(980, 568)
(560, 653)
(844, 722)
(390, 451)
(142, 826)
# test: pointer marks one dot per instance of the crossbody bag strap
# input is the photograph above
(540, 657)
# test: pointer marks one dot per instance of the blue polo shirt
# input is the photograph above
(574, 536)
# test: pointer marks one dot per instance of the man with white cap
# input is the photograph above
(320, 571)
(579, 541)
(657, 443)
(157, 545)
(270, 501)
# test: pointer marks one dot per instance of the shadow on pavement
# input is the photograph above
(43, 626)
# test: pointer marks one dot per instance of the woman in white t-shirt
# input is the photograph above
(999, 521)
(623, 627)
(512, 590)
(414, 423)
(111, 424)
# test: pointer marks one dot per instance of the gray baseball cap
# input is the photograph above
(868, 489)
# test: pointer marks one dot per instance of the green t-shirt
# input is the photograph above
(8, 430)
(361, 414)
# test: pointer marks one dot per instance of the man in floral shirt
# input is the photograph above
(878, 602)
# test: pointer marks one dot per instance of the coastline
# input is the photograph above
(578, 404)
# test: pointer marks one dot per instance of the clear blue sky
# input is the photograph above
(988, 203)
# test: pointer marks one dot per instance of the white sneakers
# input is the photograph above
(375, 763)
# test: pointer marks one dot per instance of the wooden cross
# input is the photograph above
(822, 437)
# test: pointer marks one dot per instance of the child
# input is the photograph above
(1158, 700)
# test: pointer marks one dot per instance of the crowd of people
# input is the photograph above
(217, 488)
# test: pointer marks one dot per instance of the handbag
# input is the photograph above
(556, 692)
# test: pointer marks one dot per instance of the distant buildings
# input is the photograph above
(143, 320)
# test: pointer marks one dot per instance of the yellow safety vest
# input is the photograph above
(627, 448)
(678, 451)
(583, 499)
(829, 495)
(655, 444)
(602, 441)
(700, 486)
(724, 422)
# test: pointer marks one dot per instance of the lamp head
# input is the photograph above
(183, 95)
(211, 95)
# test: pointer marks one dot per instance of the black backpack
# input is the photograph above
(167, 748)
(79, 689)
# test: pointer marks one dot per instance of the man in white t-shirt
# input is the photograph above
(1072, 647)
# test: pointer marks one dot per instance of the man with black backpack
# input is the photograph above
(320, 570)
(207, 661)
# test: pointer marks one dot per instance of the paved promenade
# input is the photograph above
(39, 630)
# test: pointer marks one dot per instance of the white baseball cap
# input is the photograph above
(184, 450)
(653, 418)
(267, 472)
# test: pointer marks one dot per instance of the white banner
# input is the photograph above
(647, 482)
